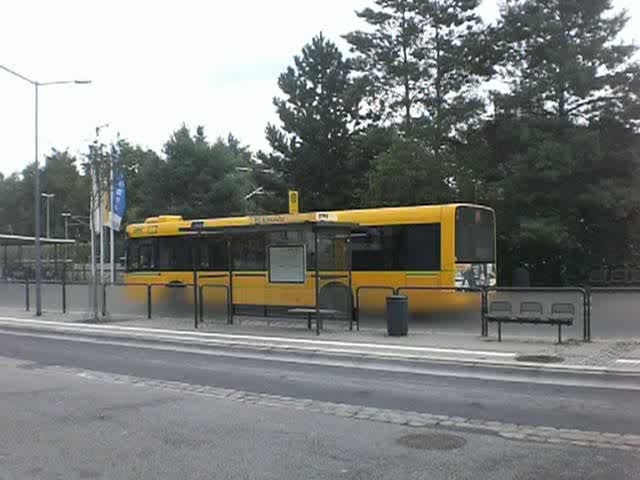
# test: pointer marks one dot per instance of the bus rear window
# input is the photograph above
(475, 235)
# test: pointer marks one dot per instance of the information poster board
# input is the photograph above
(287, 263)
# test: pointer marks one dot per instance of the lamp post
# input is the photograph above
(36, 192)
(66, 216)
(48, 196)
(258, 190)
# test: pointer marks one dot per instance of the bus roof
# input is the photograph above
(175, 224)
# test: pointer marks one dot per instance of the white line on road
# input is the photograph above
(257, 338)
(631, 361)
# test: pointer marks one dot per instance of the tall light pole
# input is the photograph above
(36, 189)
(258, 190)
(66, 216)
(48, 196)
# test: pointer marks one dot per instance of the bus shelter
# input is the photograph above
(302, 268)
(19, 265)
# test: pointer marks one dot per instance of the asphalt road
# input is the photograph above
(604, 410)
(57, 425)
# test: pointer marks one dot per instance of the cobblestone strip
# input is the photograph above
(512, 431)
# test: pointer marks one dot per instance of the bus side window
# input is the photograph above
(248, 253)
(369, 249)
(203, 254)
(132, 256)
(218, 254)
(146, 257)
(175, 253)
(418, 247)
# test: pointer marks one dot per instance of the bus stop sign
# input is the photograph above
(294, 202)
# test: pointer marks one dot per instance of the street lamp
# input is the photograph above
(36, 192)
(48, 196)
(258, 170)
(66, 216)
(257, 191)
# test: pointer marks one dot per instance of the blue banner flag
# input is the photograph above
(119, 197)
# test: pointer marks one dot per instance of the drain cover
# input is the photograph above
(432, 441)
(539, 358)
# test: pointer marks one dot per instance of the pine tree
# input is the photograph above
(561, 157)
(318, 115)
(390, 57)
(426, 57)
(564, 58)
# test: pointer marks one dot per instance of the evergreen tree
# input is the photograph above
(427, 57)
(200, 179)
(560, 158)
(318, 115)
(564, 58)
(391, 58)
(407, 173)
(61, 177)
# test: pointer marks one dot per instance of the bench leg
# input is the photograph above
(559, 333)
(499, 331)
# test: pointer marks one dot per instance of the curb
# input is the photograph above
(305, 347)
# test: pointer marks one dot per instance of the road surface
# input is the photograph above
(76, 408)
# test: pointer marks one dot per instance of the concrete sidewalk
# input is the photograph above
(622, 355)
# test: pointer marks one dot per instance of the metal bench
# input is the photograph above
(562, 314)
(310, 311)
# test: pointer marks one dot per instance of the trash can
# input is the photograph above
(397, 315)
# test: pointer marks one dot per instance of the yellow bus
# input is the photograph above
(452, 245)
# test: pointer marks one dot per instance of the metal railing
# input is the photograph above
(481, 291)
(590, 291)
(357, 302)
(60, 300)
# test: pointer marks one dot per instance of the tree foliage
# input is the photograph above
(318, 115)
(197, 178)
(409, 119)
(424, 58)
(565, 59)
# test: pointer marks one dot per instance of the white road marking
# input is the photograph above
(630, 361)
(256, 338)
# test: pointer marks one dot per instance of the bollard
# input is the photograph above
(195, 304)
(27, 293)
(104, 300)
(149, 301)
(64, 295)
(483, 318)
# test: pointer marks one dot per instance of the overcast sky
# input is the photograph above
(157, 64)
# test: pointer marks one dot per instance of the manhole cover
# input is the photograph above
(432, 441)
(539, 358)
